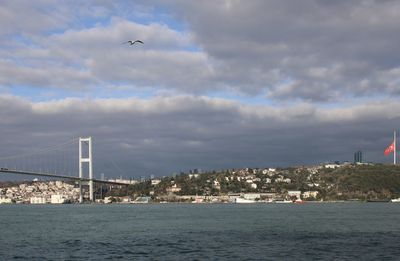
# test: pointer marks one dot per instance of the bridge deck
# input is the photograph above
(5, 170)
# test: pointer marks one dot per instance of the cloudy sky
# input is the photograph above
(216, 84)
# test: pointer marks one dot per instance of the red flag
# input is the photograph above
(389, 149)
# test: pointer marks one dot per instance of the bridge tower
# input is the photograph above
(86, 159)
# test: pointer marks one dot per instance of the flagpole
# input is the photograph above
(394, 152)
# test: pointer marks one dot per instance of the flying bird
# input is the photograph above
(133, 42)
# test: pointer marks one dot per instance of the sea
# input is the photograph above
(310, 231)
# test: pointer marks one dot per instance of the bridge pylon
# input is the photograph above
(86, 159)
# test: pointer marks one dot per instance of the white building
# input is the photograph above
(294, 193)
(4, 200)
(332, 166)
(38, 200)
(58, 199)
(108, 200)
(142, 200)
(155, 182)
(126, 199)
(287, 180)
(310, 194)
(174, 188)
(59, 184)
(30, 189)
(251, 196)
(216, 184)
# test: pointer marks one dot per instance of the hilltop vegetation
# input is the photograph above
(363, 182)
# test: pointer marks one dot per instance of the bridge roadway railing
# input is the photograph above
(7, 171)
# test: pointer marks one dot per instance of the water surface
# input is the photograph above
(314, 231)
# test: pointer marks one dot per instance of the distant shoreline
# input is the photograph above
(207, 203)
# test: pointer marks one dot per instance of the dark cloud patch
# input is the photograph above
(167, 134)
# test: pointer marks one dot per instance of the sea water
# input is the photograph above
(311, 231)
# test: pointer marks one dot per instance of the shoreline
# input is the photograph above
(209, 203)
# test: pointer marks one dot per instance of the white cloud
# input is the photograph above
(330, 51)
(323, 47)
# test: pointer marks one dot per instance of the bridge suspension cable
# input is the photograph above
(61, 158)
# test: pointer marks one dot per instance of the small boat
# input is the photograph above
(243, 200)
(283, 201)
(378, 200)
(395, 200)
(198, 200)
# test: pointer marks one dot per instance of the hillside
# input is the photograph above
(347, 182)
(363, 182)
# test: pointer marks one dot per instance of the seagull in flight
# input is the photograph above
(133, 42)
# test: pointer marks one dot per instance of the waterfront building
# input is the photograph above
(41, 193)
(126, 199)
(233, 196)
(108, 200)
(38, 200)
(142, 200)
(5, 200)
(251, 196)
(310, 194)
(57, 199)
(294, 193)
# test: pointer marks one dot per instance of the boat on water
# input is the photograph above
(396, 200)
(198, 200)
(378, 200)
(243, 200)
(283, 201)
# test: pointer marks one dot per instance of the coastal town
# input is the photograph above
(54, 192)
(325, 182)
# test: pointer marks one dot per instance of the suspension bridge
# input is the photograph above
(60, 161)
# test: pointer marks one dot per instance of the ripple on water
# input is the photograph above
(180, 232)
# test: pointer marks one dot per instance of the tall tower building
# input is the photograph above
(358, 157)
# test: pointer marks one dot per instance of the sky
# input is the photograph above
(216, 84)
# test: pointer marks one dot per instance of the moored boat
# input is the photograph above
(243, 200)
(378, 200)
(283, 201)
